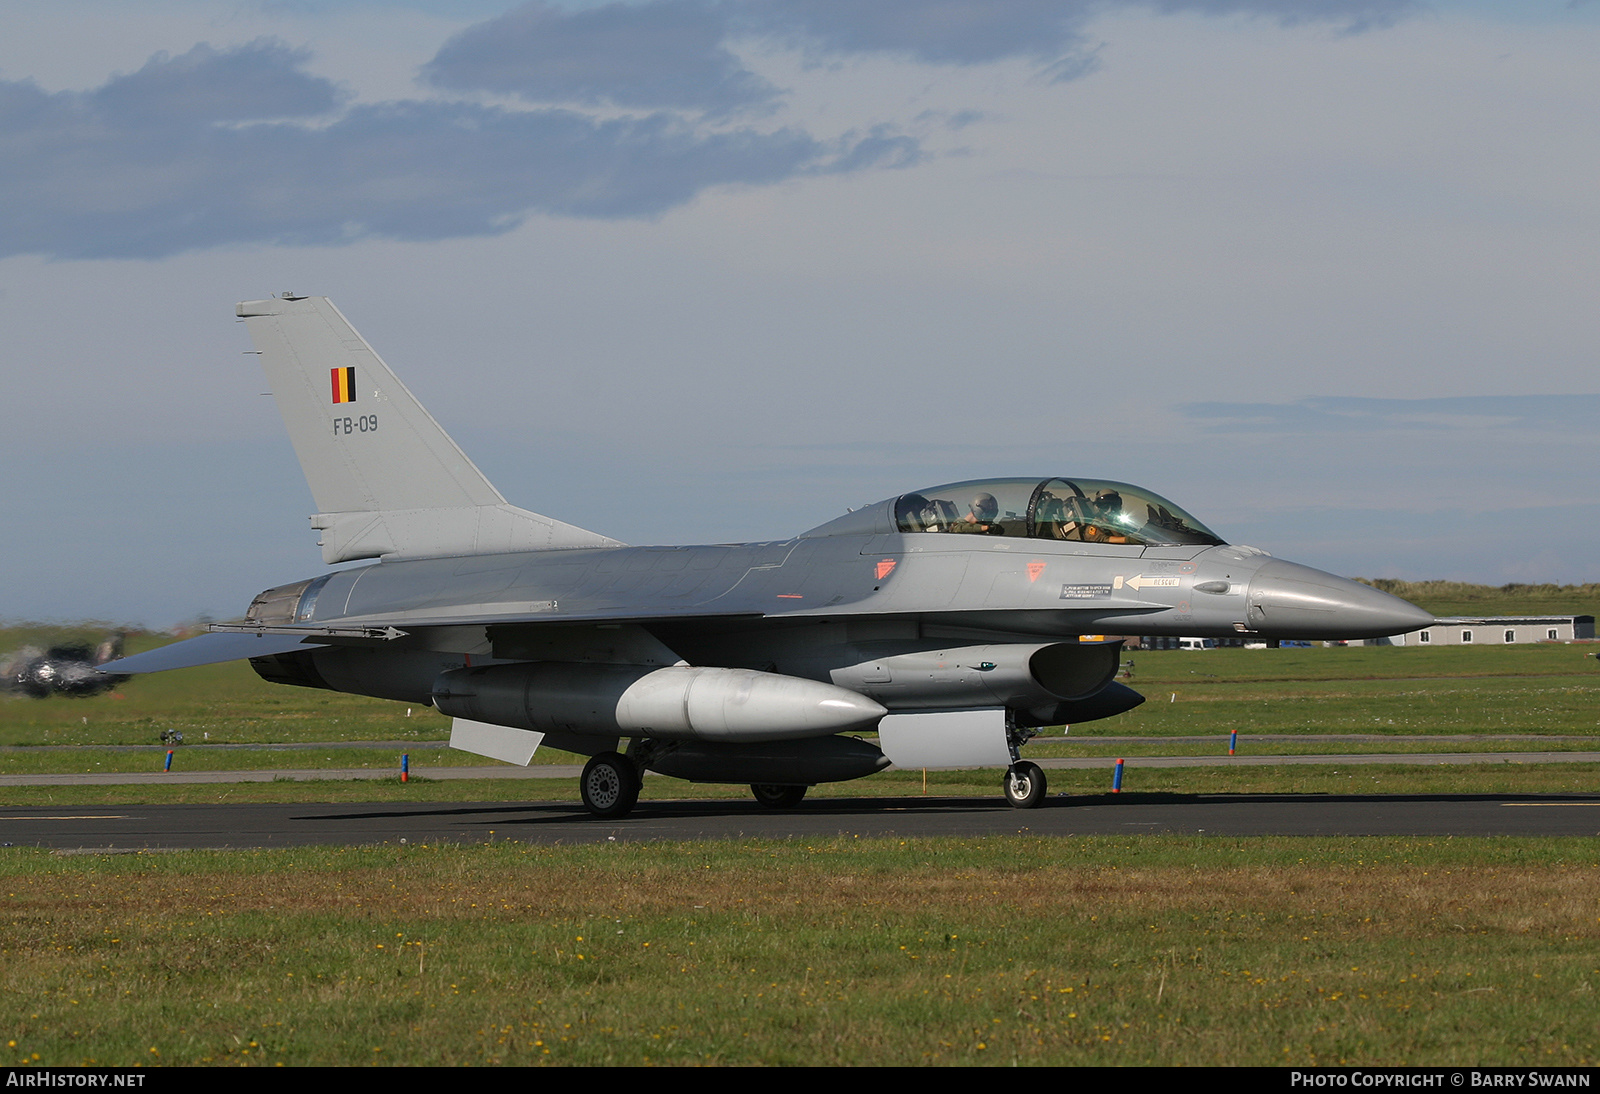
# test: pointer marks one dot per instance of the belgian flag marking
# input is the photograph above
(344, 384)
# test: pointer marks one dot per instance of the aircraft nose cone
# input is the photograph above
(1288, 600)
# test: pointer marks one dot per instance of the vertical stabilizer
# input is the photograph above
(388, 481)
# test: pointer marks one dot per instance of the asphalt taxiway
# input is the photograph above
(247, 825)
(175, 827)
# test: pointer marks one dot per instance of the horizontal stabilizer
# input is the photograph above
(207, 649)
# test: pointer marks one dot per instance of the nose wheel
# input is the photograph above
(1024, 785)
(610, 785)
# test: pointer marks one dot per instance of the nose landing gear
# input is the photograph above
(1024, 784)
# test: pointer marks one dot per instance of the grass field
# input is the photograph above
(1529, 689)
(1014, 951)
(1457, 598)
(1159, 950)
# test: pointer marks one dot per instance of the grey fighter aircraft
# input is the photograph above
(72, 668)
(946, 619)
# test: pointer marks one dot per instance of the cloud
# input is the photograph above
(962, 32)
(1546, 415)
(253, 82)
(666, 54)
(1357, 16)
(178, 157)
(675, 53)
(242, 146)
(1051, 32)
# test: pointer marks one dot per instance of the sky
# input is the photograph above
(1322, 272)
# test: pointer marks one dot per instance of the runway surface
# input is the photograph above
(422, 769)
(173, 827)
(572, 771)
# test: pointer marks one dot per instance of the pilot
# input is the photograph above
(982, 518)
(1106, 524)
(1108, 503)
(912, 513)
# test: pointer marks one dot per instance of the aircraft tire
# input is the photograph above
(610, 785)
(1024, 785)
(778, 795)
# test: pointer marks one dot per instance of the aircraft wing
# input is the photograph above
(207, 649)
(396, 624)
(237, 642)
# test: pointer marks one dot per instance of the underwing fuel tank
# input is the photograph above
(680, 703)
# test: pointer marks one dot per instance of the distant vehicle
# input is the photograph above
(946, 619)
(68, 669)
(1197, 643)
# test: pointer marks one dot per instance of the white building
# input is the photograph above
(1494, 630)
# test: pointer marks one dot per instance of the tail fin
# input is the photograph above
(388, 481)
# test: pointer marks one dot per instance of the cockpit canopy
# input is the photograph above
(1082, 510)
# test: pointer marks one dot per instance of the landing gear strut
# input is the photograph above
(610, 785)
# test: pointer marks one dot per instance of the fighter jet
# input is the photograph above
(945, 619)
(70, 669)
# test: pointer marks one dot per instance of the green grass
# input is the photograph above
(228, 702)
(1145, 950)
(1507, 689)
(90, 760)
(1455, 598)
(1498, 694)
(1527, 689)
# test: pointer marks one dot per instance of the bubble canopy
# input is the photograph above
(1079, 510)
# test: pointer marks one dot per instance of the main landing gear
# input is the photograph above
(611, 782)
(610, 785)
(778, 796)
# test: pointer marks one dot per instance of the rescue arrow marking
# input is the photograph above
(1139, 581)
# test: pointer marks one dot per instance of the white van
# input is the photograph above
(1197, 643)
